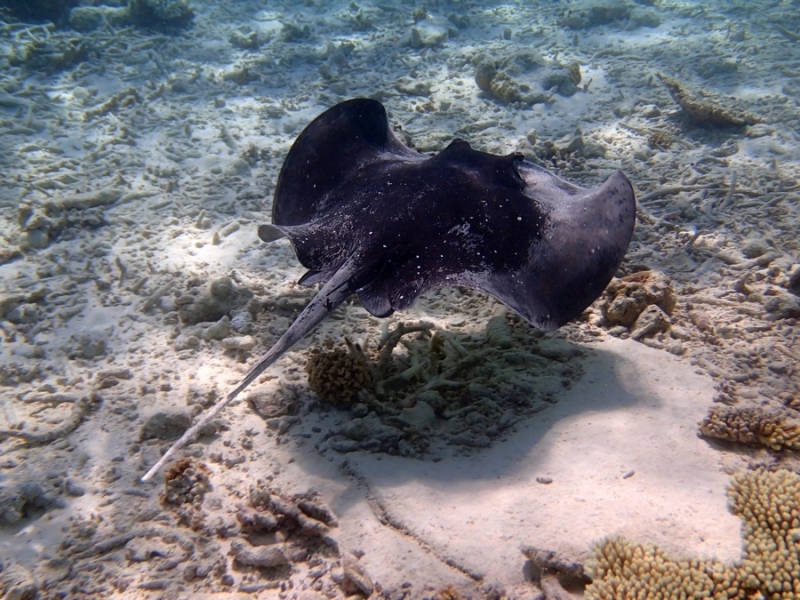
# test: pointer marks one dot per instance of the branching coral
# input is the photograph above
(769, 504)
(752, 425)
(621, 569)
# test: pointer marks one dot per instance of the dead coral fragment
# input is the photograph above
(259, 556)
(80, 409)
(51, 54)
(121, 100)
(706, 110)
(305, 514)
(356, 578)
(339, 375)
(161, 13)
(505, 88)
(567, 566)
(769, 504)
(496, 78)
(597, 13)
(751, 425)
(660, 140)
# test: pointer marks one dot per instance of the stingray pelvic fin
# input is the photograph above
(270, 233)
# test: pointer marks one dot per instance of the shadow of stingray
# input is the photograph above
(618, 453)
(473, 465)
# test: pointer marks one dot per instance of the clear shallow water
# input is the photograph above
(190, 125)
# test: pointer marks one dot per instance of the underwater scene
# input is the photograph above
(402, 299)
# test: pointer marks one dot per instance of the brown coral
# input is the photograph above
(627, 297)
(186, 482)
(621, 569)
(705, 109)
(339, 375)
(776, 429)
(769, 504)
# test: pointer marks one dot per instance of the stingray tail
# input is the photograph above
(332, 294)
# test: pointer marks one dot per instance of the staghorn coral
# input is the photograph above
(769, 504)
(339, 375)
(752, 425)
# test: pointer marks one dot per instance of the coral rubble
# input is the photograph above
(161, 13)
(597, 13)
(413, 390)
(39, 10)
(525, 78)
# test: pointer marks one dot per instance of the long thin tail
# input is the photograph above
(332, 294)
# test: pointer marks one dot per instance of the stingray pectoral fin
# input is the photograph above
(332, 294)
(270, 233)
(579, 251)
(332, 150)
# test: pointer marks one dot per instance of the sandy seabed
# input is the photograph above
(134, 175)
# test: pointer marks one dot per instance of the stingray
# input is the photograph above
(369, 216)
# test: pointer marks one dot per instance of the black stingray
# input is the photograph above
(369, 216)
